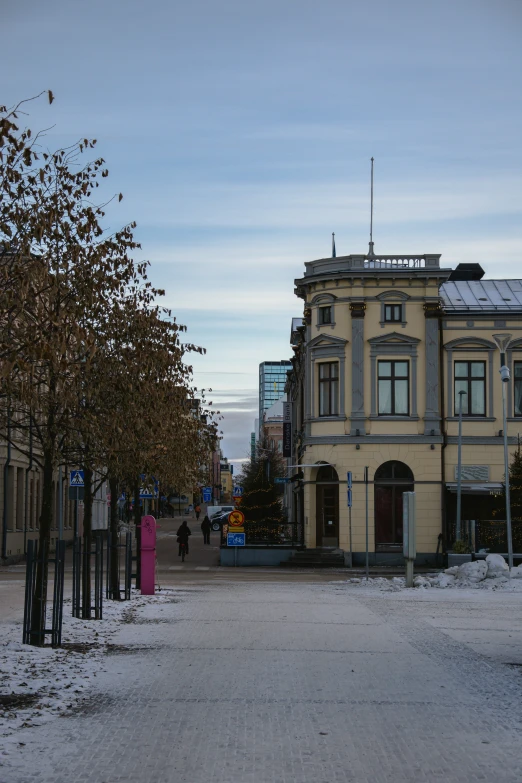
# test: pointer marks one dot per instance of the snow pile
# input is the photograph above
(38, 684)
(490, 574)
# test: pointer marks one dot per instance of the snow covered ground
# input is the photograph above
(272, 682)
(40, 684)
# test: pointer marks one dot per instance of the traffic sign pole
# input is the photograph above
(349, 501)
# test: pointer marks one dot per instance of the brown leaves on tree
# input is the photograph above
(92, 370)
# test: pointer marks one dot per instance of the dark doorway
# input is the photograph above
(327, 507)
(391, 480)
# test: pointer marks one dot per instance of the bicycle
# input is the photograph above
(183, 547)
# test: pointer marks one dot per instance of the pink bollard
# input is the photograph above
(148, 555)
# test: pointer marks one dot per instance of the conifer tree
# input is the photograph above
(262, 498)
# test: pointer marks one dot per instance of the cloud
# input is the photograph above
(292, 205)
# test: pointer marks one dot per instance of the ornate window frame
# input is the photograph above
(393, 297)
(326, 348)
(470, 344)
(324, 300)
(388, 345)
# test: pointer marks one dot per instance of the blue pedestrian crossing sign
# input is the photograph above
(207, 494)
(235, 539)
(238, 491)
(76, 479)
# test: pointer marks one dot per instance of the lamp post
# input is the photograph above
(503, 340)
(459, 471)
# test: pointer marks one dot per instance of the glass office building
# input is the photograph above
(272, 380)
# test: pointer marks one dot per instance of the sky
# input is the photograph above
(240, 133)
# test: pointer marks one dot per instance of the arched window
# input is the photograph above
(327, 473)
(393, 470)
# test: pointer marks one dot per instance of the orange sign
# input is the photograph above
(237, 500)
(236, 519)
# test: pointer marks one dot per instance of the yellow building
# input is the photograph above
(226, 480)
(385, 347)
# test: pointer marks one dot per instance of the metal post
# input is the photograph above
(350, 530)
(506, 470)
(459, 471)
(367, 556)
(503, 340)
(60, 503)
(29, 590)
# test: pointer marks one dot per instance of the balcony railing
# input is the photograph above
(400, 262)
(395, 262)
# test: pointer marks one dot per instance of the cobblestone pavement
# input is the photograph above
(280, 683)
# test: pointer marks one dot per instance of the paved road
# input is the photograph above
(296, 683)
(201, 556)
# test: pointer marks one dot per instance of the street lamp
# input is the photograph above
(459, 470)
(502, 340)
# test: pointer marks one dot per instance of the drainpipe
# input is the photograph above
(27, 471)
(444, 435)
(6, 474)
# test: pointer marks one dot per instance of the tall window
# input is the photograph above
(393, 312)
(470, 377)
(393, 388)
(325, 315)
(518, 388)
(329, 389)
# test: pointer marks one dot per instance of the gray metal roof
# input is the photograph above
(475, 295)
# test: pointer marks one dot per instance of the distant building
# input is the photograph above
(273, 425)
(226, 480)
(272, 380)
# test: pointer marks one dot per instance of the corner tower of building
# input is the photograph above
(359, 310)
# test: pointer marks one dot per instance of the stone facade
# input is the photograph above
(373, 386)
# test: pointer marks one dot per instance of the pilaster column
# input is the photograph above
(357, 417)
(432, 410)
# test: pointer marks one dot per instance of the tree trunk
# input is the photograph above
(137, 523)
(42, 568)
(87, 544)
(114, 560)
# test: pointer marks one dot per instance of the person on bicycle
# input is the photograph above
(183, 537)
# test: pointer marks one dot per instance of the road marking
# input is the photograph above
(202, 568)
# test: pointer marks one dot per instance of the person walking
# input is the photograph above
(205, 529)
(183, 536)
(198, 511)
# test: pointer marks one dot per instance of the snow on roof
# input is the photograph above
(482, 295)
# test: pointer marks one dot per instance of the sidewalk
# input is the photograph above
(233, 682)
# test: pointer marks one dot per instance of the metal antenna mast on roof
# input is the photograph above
(370, 251)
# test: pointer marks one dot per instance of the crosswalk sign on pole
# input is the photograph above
(76, 479)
